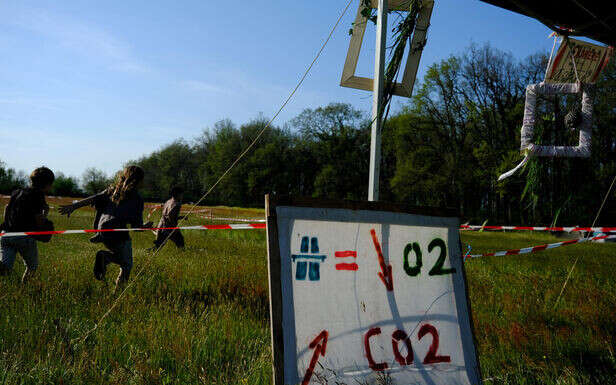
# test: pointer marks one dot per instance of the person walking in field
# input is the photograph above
(27, 211)
(169, 218)
(117, 207)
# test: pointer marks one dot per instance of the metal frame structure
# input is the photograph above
(377, 83)
(404, 88)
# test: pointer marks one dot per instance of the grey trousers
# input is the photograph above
(26, 247)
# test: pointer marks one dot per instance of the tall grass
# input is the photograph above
(201, 315)
(524, 337)
(197, 316)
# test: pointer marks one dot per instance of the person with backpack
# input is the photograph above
(117, 207)
(27, 211)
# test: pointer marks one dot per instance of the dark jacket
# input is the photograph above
(118, 216)
(23, 208)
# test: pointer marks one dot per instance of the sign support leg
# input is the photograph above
(377, 101)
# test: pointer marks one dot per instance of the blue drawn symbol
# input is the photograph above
(309, 249)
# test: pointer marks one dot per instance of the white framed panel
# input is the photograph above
(405, 88)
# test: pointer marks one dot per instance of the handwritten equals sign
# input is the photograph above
(345, 265)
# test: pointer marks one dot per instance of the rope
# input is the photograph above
(604, 200)
(252, 144)
(578, 257)
(547, 68)
(573, 59)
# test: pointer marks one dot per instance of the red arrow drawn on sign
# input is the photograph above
(319, 344)
(385, 273)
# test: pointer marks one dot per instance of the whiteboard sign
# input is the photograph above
(364, 295)
(590, 59)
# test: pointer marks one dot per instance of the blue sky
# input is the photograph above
(87, 83)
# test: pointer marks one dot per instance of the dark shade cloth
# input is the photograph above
(23, 208)
(595, 19)
(111, 216)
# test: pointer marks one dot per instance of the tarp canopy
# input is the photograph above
(595, 19)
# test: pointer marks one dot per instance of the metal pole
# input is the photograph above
(377, 100)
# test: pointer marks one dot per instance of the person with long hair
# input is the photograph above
(117, 207)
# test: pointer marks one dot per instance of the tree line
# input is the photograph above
(91, 182)
(446, 146)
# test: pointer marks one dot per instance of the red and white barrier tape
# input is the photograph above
(234, 226)
(152, 211)
(535, 228)
(251, 220)
(535, 249)
(186, 211)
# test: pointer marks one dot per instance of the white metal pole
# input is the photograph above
(377, 100)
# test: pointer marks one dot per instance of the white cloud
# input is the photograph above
(86, 40)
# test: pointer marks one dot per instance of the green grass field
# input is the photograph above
(201, 316)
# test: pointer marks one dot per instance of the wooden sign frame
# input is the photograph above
(274, 263)
(405, 88)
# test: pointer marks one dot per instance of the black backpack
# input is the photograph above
(46, 226)
(19, 218)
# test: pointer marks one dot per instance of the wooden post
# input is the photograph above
(377, 101)
(275, 292)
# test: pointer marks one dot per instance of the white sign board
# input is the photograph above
(367, 296)
(590, 59)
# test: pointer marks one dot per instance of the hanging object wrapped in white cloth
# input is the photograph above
(562, 77)
(582, 150)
